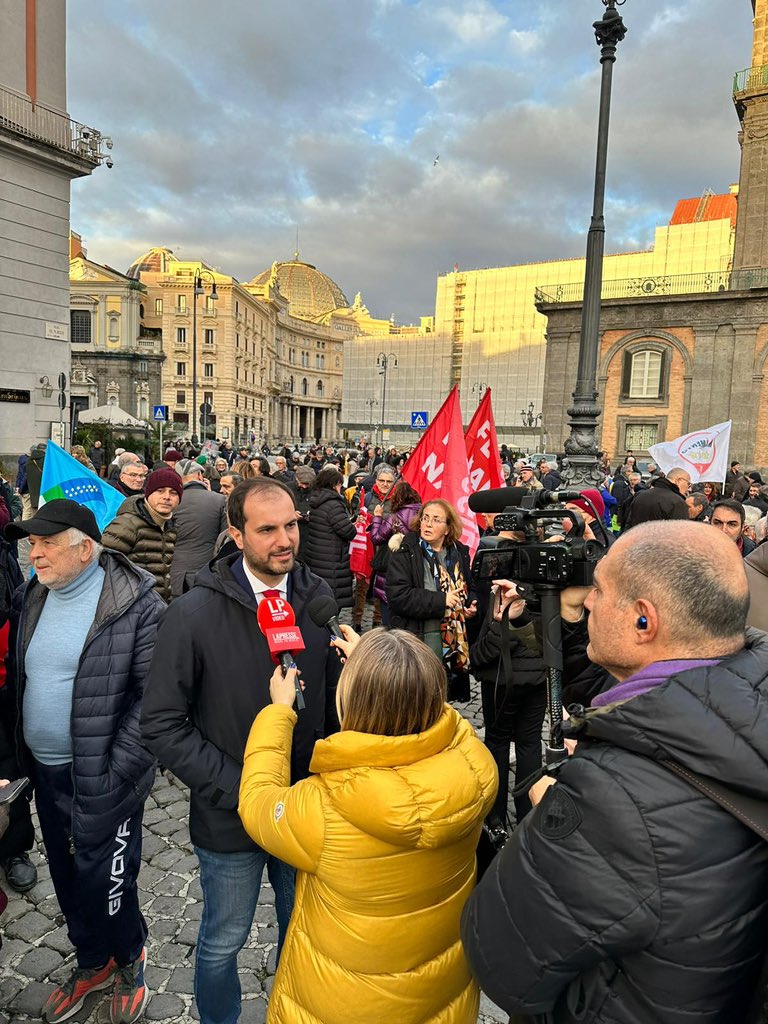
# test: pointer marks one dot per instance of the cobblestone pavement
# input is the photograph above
(36, 952)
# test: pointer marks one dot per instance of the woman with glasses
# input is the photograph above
(430, 590)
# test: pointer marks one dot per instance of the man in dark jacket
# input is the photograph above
(209, 679)
(609, 903)
(82, 632)
(664, 499)
(728, 516)
(200, 518)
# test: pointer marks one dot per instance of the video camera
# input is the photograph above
(531, 561)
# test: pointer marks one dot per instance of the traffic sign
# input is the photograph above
(419, 420)
(160, 413)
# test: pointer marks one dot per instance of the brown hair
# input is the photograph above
(403, 494)
(455, 526)
(392, 685)
(245, 469)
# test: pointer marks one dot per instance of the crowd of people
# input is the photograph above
(624, 890)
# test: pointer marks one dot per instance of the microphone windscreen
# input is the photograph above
(322, 609)
(497, 499)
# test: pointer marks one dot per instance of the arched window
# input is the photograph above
(143, 409)
(319, 389)
(304, 386)
(644, 373)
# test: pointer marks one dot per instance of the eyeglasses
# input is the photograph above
(433, 520)
(137, 476)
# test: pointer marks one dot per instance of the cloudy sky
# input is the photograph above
(237, 122)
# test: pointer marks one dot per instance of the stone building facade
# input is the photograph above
(673, 363)
(116, 360)
(41, 151)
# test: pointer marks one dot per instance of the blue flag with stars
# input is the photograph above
(65, 477)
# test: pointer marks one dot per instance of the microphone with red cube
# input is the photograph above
(277, 621)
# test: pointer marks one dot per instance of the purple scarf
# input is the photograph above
(647, 678)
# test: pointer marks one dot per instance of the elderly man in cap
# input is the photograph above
(82, 633)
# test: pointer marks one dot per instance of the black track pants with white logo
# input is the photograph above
(96, 884)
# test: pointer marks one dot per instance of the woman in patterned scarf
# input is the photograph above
(430, 590)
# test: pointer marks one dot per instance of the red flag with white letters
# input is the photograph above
(437, 468)
(483, 451)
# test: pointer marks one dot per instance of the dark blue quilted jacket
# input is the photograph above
(112, 769)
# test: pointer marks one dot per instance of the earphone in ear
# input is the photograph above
(642, 622)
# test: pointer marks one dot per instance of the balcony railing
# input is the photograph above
(661, 284)
(751, 78)
(18, 114)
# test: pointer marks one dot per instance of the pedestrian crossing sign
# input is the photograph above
(160, 413)
(419, 420)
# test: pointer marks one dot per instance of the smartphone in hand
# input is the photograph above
(9, 793)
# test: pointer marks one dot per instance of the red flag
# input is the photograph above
(360, 547)
(437, 468)
(483, 451)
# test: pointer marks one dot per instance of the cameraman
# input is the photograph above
(609, 902)
(506, 661)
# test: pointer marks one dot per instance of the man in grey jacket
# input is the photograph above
(200, 518)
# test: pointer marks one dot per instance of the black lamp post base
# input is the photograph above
(580, 464)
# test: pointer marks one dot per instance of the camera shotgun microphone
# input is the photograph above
(499, 498)
(277, 621)
(324, 612)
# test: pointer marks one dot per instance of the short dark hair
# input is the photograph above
(733, 505)
(328, 478)
(699, 499)
(260, 485)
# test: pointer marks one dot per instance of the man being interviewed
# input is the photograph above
(208, 680)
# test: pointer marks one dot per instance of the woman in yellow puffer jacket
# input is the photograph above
(383, 834)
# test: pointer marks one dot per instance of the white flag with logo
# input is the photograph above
(703, 453)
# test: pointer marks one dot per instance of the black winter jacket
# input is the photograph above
(662, 500)
(628, 897)
(112, 771)
(410, 603)
(210, 678)
(526, 665)
(326, 548)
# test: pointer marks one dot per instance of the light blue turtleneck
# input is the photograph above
(51, 665)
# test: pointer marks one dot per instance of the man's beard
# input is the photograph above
(261, 567)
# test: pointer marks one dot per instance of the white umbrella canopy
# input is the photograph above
(111, 414)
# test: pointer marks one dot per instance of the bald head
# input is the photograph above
(700, 588)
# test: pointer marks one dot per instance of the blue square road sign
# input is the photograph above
(419, 420)
(159, 413)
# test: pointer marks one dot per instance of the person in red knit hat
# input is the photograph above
(580, 505)
(144, 530)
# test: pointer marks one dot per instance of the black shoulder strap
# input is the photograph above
(750, 812)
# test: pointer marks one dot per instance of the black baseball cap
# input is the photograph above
(55, 517)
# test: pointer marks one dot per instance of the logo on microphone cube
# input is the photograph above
(284, 638)
(279, 609)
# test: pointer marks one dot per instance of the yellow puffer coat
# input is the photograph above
(384, 836)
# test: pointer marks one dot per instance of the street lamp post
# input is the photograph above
(581, 446)
(480, 387)
(384, 361)
(370, 402)
(198, 290)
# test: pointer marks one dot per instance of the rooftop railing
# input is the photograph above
(19, 115)
(664, 284)
(751, 78)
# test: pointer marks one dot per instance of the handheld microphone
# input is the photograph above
(277, 621)
(324, 612)
(499, 498)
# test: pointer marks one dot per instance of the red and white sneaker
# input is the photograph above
(66, 1000)
(130, 993)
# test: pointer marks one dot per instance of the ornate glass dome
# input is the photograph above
(310, 293)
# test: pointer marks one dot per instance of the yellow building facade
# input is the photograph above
(498, 336)
(269, 352)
